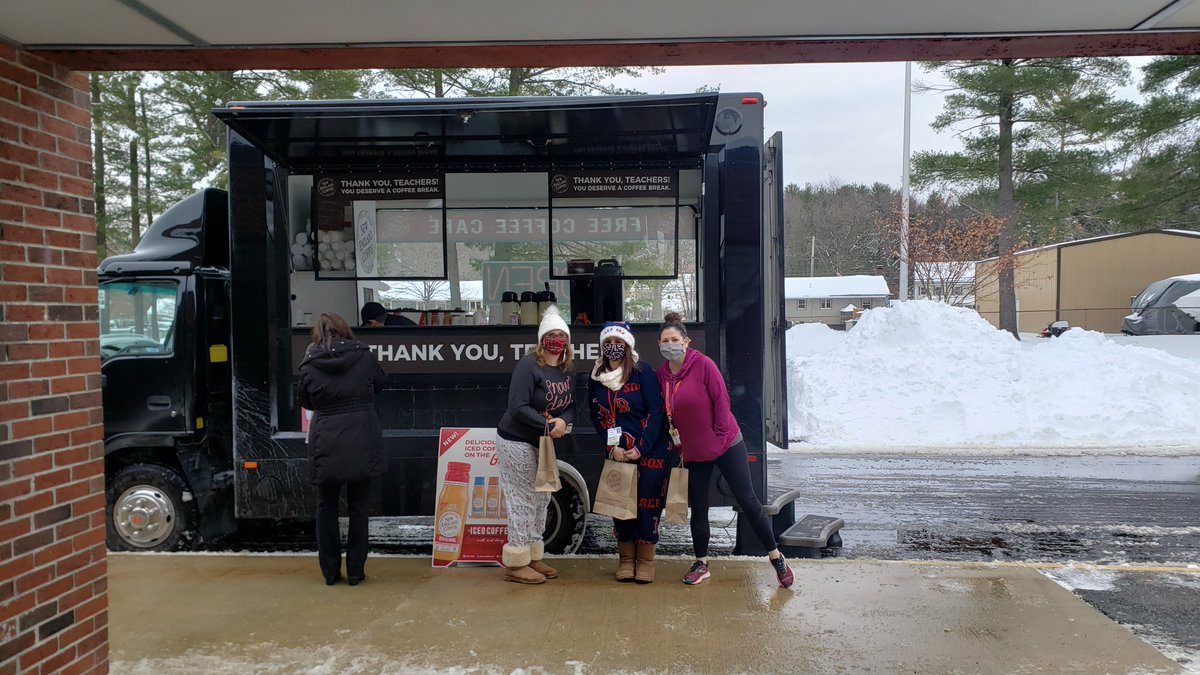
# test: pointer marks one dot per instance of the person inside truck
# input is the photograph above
(627, 411)
(339, 378)
(375, 315)
(540, 402)
(702, 429)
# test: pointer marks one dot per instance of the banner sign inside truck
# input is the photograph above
(346, 188)
(451, 350)
(587, 184)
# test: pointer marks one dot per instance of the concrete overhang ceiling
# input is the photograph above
(218, 34)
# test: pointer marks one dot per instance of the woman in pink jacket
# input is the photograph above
(701, 428)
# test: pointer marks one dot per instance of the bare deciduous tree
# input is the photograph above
(944, 243)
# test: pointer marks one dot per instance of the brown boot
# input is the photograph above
(524, 575)
(625, 553)
(516, 566)
(536, 552)
(645, 563)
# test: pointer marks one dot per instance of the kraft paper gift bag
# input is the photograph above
(546, 479)
(676, 510)
(617, 494)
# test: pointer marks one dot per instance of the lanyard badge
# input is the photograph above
(614, 437)
(674, 434)
(670, 400)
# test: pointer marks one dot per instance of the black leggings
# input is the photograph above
(734, 466)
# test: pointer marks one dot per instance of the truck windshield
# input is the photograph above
(137, 318)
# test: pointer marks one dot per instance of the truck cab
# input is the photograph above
(165, 378)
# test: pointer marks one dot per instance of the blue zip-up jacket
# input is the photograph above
(637, 408)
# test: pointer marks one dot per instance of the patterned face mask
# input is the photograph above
(613, 351)
(554, 345)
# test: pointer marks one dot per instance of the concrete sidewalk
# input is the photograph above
(230, 613)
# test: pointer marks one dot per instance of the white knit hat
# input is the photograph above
(617, 329)
(552, 320)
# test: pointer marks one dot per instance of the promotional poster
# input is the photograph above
(470, 521)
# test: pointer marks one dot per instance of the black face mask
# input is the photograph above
(614, 351)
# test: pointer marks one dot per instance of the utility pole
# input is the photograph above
(904, 182)
(812, 255)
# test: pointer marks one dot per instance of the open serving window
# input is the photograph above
(468, 245)
(427, 208)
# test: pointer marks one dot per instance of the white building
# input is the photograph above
(821, 299)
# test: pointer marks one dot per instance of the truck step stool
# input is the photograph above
(810, 534)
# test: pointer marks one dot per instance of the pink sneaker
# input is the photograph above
(698, 573)
(783, 572)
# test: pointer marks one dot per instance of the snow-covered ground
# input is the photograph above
(925, 375)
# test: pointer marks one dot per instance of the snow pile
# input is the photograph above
(925, 374)
(808, 339)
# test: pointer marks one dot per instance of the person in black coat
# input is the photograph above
(339, 377)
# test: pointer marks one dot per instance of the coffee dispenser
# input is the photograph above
(529, 308)
(545, 299)
(609, 294)
(510, 309)
(596, 290)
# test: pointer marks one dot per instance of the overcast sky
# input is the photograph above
(843, 121)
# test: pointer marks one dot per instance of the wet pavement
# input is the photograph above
(1099, 509)
(1105, 510)
(1139, 511)
(178, 613)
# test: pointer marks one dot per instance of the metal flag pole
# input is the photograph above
(904, 182)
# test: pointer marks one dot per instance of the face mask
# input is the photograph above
(672, 352)
(554, 345)
(614, 351)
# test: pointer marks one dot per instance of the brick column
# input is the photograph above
(53, 598)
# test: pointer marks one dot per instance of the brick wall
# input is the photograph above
(53, 601)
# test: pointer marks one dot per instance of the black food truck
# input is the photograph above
(467, 218)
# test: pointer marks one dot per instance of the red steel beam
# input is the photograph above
(680, 53)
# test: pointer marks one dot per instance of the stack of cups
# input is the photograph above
(302, 252)
(335, 250)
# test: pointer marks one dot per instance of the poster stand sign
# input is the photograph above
(470, 524)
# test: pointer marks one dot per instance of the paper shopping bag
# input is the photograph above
(546, 479)
(676, 510)
(617, 494)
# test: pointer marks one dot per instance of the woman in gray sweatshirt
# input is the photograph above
(540, 402)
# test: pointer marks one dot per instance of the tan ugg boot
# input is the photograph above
(516, 566)
(536, 552)
(645, 563)
(625, 553)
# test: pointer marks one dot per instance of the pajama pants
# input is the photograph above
(652, 496)
(526, 508)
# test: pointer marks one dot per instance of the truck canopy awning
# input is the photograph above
(502, 130)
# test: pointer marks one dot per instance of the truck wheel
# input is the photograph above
(565, 521)
(145, 509)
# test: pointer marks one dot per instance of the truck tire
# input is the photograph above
(145, 509)
(565, 521)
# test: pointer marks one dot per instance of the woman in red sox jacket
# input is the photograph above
(626, 402)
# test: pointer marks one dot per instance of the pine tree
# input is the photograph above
(1163, 182)
(1034, 131)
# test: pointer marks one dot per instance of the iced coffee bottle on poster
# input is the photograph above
(478, 498)
(493, 498)
(450, 518)
(502, 511)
